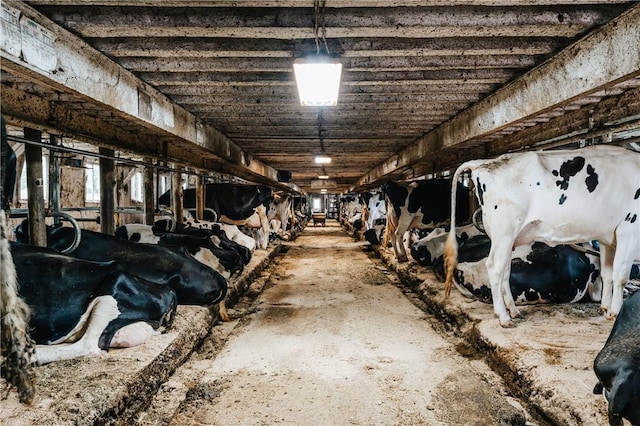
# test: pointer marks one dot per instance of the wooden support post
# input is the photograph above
(35, 188)
(176, 196)
(107, 201)
(149, 197)
(199, 197)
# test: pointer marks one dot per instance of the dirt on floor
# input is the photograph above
(331, 340)
(326, 335)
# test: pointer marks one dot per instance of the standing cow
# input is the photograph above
(556, 197)
(236, 204)
(421, 204)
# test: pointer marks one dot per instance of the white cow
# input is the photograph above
(556, 197)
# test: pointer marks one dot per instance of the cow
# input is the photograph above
(81, 305)
(201, 247)
(193, 282)
(376, 210)
(18, 353)
(375, 234)
(349, 206)
(236, 204)
(617, 368)
(556, 197)
(428, 249)
(280, 210)
(539, 273)
(421, 204)
(217, 233)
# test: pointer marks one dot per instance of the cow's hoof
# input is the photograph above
(610, 316)
(507, 324)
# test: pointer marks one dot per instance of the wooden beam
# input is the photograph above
(583, 68)
(35, 189)
(92, 77)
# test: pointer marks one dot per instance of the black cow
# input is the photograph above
(421, 204)
(617, 365)
(101, 294)
(193, 282)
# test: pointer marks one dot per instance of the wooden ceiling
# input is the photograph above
(426, 84)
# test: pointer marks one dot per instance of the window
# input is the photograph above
(136, 186)
(92, 183)
(316, 204)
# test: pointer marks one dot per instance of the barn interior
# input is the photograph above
(208, 88)
(118, 101)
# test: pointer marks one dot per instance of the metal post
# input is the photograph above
(149, 199)
(54, 179)
(176, 196)
(107, 201)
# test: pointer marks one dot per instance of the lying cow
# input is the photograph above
(421, 204)
(430, 248)
(556, 197)
(539, 273)
(80, 305)
(193, 282)
(231, 231)
(204, 250)
(235, 204)
(617, 368)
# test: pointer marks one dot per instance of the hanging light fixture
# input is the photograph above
(318, 76)
(322, 158)
(324, 174)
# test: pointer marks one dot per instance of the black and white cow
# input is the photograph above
(201, 247)
(193, 282)
(279, 214)
(556, 197)
(236, 204)
(617, 367)
(376, 210)
(421, 204)
(539, 273)
(81, 305)
(429, 249)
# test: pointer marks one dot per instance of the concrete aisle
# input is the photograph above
(332, 341)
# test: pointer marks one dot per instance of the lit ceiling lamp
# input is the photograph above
(318, 76)
(322, 159)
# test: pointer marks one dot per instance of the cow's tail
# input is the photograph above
(18, 349)
(451, 246)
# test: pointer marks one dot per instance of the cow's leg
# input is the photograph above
(404, 224)
(499, 270)
(606, 273)
(628, 247)
(104, 309)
